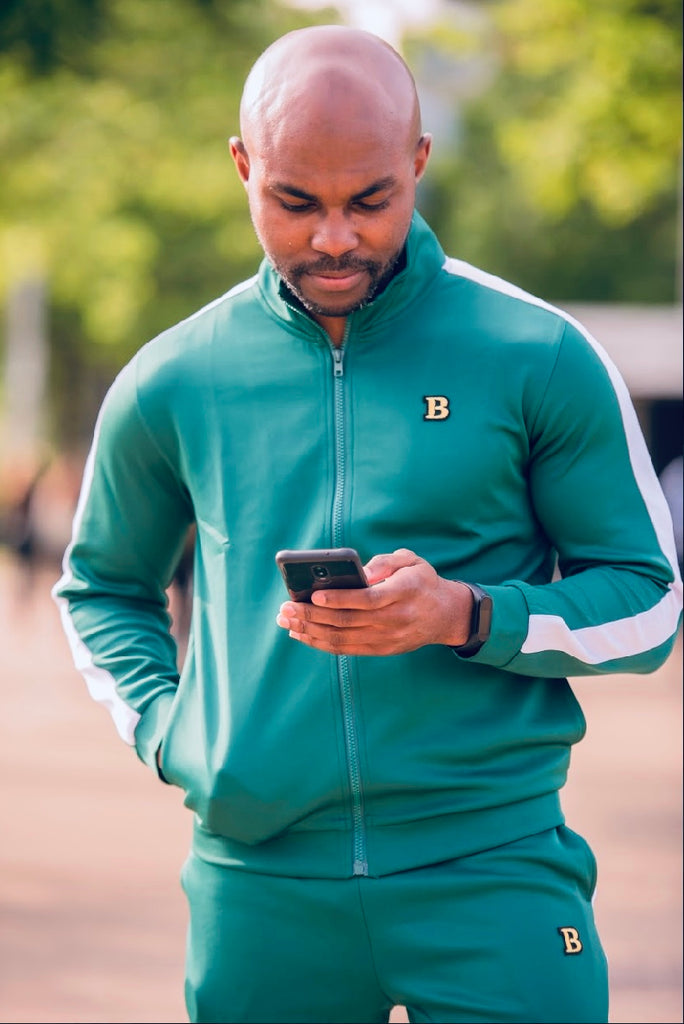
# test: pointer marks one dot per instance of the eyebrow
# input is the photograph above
(297, 193)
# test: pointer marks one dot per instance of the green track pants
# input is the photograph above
(504, 935)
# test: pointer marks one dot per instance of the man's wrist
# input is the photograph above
(480, 621)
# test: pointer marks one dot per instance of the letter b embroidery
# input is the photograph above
(437, 407)
(571, 940)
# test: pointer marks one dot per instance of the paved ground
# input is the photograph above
(91, 915)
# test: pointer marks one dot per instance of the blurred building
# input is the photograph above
(645, 343)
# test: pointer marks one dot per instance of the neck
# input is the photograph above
(334, 326)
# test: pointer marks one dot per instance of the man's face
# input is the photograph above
(332, 215)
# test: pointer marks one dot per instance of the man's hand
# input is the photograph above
(407, 606)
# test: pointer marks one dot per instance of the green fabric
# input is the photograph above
(476, 939)
(238, 419)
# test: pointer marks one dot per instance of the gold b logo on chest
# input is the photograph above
(437, 407)
(571, 940)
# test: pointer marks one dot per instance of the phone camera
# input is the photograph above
(320, 572)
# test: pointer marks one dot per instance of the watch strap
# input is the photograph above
(480, 621)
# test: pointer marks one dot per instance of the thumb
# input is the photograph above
(381, 567)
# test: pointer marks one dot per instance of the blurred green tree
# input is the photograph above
(46, 34)
(117, 181)
(567, 176)
(118, 188)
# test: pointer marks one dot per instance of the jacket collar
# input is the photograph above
(424, 259)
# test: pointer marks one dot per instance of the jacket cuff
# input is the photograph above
(510, 622)
(151, 729)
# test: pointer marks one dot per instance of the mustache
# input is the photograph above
(329, 265)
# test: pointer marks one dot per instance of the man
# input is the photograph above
(374, 784)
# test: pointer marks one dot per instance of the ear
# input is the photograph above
(422, 155)
(240, 158)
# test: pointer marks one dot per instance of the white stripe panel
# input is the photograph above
(101, 684)
(594, 644)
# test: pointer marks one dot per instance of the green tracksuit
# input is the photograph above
(463, 419)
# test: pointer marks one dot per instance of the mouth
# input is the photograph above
(339, 281)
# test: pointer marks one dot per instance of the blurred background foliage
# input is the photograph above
(557, 158)
(567, 175)
(117, 183)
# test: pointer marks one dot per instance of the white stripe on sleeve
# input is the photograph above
(594, 645)
(101, 684)
(648, 629)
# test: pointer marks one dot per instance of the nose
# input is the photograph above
(334, 235)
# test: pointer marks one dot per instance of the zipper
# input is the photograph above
(359, 853)
(337, 524)
(351, 742)
(359, 856)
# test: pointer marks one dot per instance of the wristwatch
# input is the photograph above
(480, 621)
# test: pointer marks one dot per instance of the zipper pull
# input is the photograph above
(338, 357)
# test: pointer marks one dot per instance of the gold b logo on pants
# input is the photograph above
(437, 407)
(571, 939)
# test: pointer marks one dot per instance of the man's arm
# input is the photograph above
(618, 604)
(129, 529)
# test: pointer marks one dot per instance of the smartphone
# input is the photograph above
(320, 569)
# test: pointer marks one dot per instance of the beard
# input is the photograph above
(379, 275)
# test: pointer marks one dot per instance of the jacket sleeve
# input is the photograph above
(130, 525)
(616, 604)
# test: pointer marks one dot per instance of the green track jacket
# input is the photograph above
(464, 419)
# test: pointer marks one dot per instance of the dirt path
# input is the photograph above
(92, 919)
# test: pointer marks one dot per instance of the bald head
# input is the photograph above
(330, 156)
(311, 81)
